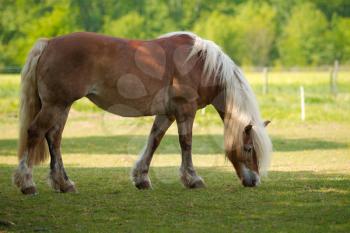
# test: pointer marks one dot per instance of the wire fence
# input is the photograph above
(10, 70)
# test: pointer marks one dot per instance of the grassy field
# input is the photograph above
(307, 189)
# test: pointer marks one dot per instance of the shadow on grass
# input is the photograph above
(202, 144)
(107, 201)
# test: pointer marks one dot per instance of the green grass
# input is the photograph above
(307, 189)
(287, 202)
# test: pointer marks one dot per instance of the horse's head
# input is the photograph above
(245, 160)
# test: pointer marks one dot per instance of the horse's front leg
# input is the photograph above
(140, 172)
(187, 173)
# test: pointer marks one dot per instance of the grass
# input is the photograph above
(307, 189)
(288, 202)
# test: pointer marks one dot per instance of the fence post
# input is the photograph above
(302, 103)
(266, 81)
(333, 81)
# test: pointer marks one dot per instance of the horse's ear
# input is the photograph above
(266, 123)
(248, 128)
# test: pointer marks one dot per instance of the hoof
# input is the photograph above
(140, 179)
(197, 184)
(29, 190)
(194, 183)
(144, 184)
(59, 184)
(69, 189)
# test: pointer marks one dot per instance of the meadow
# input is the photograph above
(306, 190)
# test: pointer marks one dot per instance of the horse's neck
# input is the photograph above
(219, 104)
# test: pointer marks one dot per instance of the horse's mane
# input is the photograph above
(241, 105)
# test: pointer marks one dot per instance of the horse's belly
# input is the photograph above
(146, 105)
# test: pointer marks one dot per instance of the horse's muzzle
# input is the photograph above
(250, 179)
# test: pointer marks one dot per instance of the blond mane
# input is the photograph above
(241, 105)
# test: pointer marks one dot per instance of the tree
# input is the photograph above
(128, 26)
(247, 37)
(34, 22)
(340, 37)
(304, 38)
(255, 27)
(219, 28)
(338, 7)
(258, 33)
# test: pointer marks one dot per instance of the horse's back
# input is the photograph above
(111, 71)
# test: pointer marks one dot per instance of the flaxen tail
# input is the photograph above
(30, 103)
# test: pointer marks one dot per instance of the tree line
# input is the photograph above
(253, 32)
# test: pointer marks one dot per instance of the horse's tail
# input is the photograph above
(30, 103)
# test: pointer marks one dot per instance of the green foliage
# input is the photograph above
(219, 28)
(253, 33)
(128, 26)
(51, 20)
(248, 36)
(304, 38)
(341, 38)
(255, 26)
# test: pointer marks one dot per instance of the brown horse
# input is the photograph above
(170, 77)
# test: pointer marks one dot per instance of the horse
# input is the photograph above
(169, 77)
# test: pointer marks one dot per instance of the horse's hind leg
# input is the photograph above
(23, 176)
(43, 121)
(140, 172)
(58, 178)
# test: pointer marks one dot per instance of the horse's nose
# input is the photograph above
(251, 182)
(254, 182)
